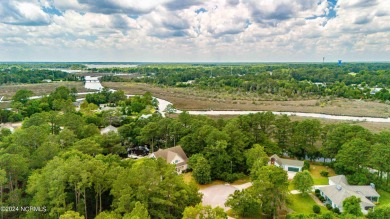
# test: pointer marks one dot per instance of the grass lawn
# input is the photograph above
(385, 197)
(246, 179)
(302, 204)
(232, 214)
(315, 171)
(188, 178)
(290, 186)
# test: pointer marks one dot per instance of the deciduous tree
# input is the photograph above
(303, 182)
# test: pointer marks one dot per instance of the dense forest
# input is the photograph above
(17, 74)
(60, 162)
(350, 80)
(277, 80)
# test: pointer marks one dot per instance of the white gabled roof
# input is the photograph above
(287, 162)
(341, 190)
(108, 129)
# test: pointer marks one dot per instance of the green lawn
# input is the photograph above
(302, 204)
(231, 213)
(290, 186)
(385, 197)
(188, 178)
(315, 171)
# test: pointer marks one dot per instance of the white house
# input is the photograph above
(286, 164)
(339, 189)
(174, 155)
(108, 129)
(375, 90)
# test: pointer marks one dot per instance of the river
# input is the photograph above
(162, 105)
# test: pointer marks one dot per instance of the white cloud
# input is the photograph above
(186, 30)
(23, 13)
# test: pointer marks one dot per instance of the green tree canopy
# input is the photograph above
(303, 182)
(351, 205)
(203, 212)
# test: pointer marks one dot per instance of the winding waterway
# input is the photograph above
(162, 105)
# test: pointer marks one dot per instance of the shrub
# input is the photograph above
(324, 173)
(316, 209)
(244, 203)
(329, 206)
(322, 199)
(317, 192)
(336, 210)
(231, 177)
(306, 165)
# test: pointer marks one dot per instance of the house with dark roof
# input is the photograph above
(174, 155)
(339, 189)
(286, 164)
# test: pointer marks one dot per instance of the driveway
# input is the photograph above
(291, 174)
(218, 194)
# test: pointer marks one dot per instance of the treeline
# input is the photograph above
(15, 75)
(223, 143)
(23, 106)
(35, 65)
(351, 80)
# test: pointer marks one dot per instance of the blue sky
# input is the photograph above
(195, 30)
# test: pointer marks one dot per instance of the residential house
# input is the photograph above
(375, 90)
(145, 116)
(174, 155)
(108, 129)
(286, 164)
(339, 189)
(11, 126)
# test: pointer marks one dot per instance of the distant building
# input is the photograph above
(11, 126)
(145, 116)
(138, 152)
(320, 84)
(286, 164)
(339, 189)
(375, 90)
(108, 129)
(174, 155)
(47, 80)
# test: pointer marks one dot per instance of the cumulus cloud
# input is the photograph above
(23, 13)
(195, 30)
(181, 4)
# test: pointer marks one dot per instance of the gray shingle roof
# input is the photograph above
(339, 179)
(170, 153)
(108, 129)
(341, 190)
(288, 162)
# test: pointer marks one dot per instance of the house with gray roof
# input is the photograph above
(286, 164)
(339, 189)
(375, 90)
(174, 155)
(108, 129)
